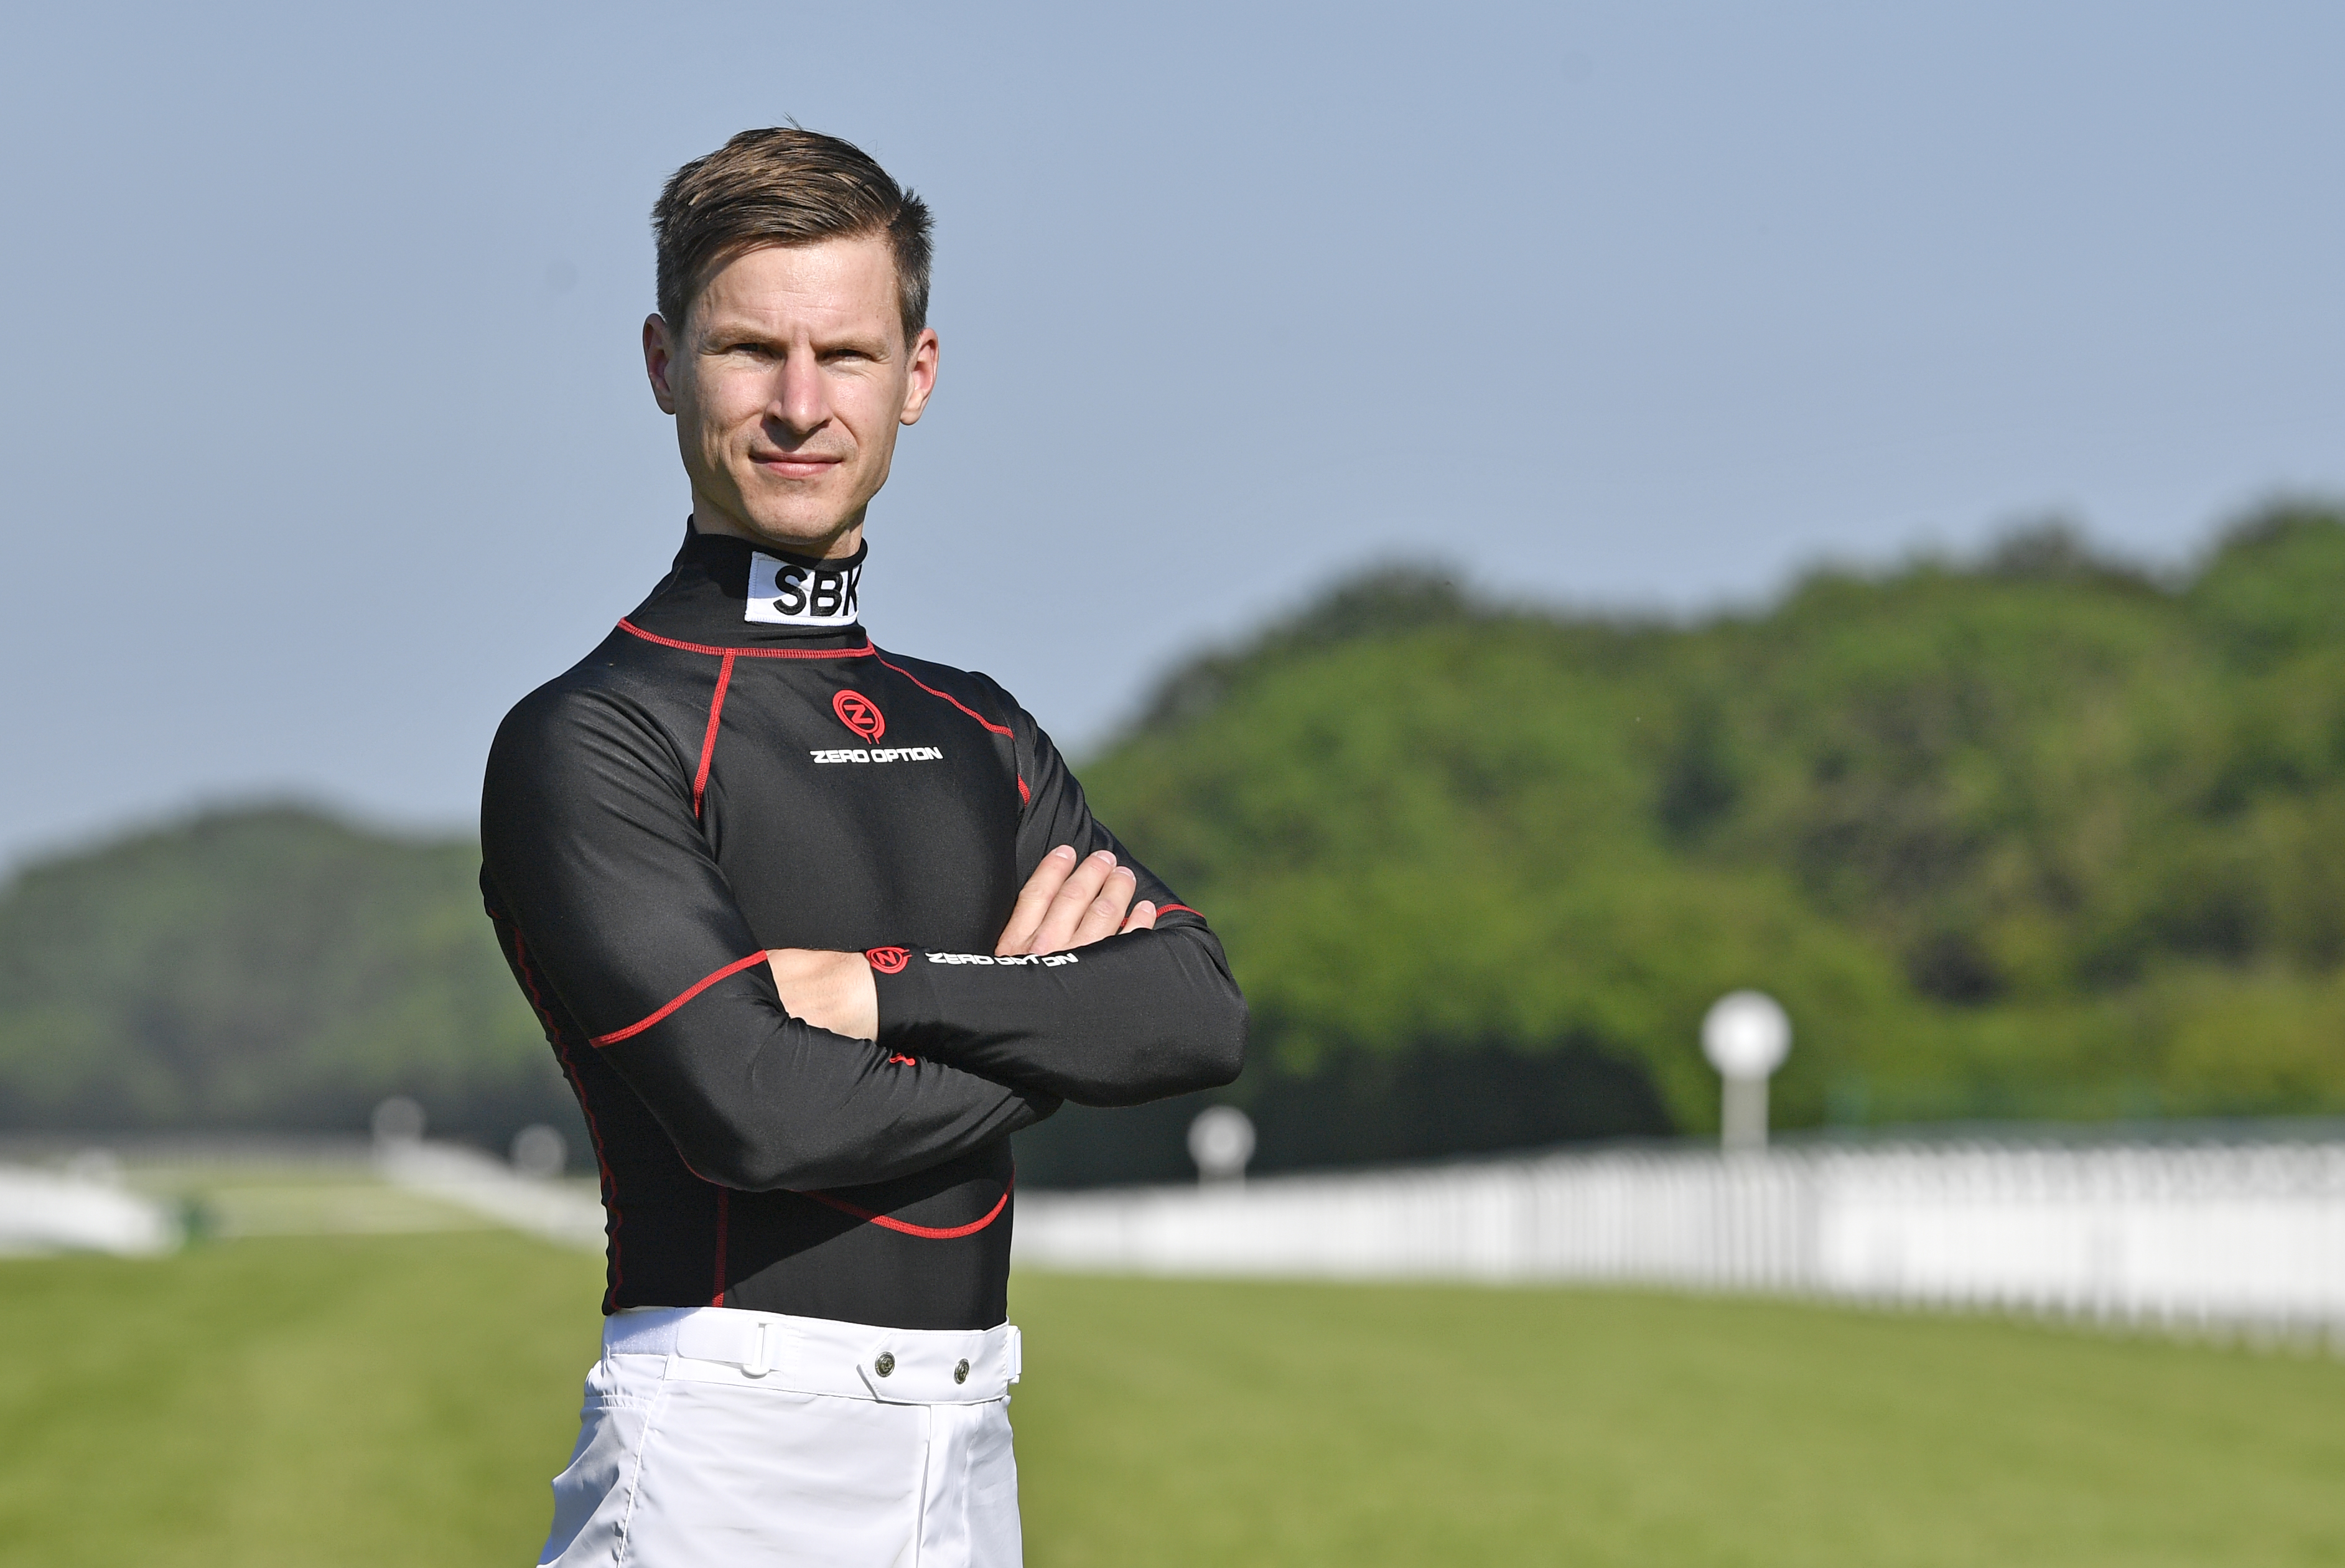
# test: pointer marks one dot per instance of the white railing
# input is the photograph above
(89, 1198)
(53, 1211)
(565, 1213)
(2199, 1235)
(2216, 1233)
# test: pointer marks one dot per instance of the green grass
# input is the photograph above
(389, 1399)
(404, 1399)
(1167, 1422)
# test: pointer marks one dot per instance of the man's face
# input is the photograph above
(789, 381)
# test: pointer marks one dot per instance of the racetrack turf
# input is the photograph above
(402, 1399)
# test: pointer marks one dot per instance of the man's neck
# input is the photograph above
(837, 545)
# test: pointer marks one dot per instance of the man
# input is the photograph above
(813, 928)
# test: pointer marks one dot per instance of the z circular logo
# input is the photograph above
(888, 960)
(859, 714)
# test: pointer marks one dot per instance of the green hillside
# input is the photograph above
(2036, 835)
(266, 968)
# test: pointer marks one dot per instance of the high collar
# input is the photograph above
(706, 596)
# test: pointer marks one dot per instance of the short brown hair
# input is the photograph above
(783, 185)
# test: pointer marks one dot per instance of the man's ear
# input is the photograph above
(659, 358)
(922, 379)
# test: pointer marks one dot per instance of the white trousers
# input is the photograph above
(719, 1438)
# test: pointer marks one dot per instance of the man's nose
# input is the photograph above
(801, 402)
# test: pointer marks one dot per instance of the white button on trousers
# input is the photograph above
(713, 1437)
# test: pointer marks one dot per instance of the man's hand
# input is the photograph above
(831, 991)
(1069, 904)
(1065, 904)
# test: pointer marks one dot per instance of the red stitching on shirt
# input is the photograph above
(724, 1213)
(708, 740)
(865, 651)
(735, 967)
(1025, 796)
(1184, 909)
(925, 1232)
(932, 691)
(593, 1128)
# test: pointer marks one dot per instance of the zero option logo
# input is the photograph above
(859, 714)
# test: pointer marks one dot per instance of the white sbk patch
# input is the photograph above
(785, 593)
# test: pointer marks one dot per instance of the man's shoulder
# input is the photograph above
(975, 693)
(615, 693)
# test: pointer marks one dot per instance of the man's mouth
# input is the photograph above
(795, 464)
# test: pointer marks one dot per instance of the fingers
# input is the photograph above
(1071, 902)
(1071, 907)
(1103, 917)
(1034, 900)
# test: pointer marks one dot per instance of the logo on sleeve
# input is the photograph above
(1007, 959)
(888, 960)
(859, 714)
(785, 594)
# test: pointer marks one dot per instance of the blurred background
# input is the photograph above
(1532, 518)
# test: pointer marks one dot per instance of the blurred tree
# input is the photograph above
(267, 968)
(2040, 836)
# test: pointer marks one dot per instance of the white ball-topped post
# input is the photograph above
(1746, 1036)
(1221, 1140)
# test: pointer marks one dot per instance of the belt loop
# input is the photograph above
(759, 1363)
(1014, 1354)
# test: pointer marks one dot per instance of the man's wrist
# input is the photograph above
(858, 999)
(904, 995)
(828, 990)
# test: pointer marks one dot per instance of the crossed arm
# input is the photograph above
(1068, 902)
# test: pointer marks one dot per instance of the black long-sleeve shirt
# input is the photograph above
(736, 768)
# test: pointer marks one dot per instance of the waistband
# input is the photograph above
(824, 1356)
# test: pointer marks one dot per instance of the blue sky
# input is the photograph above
(328, 437)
